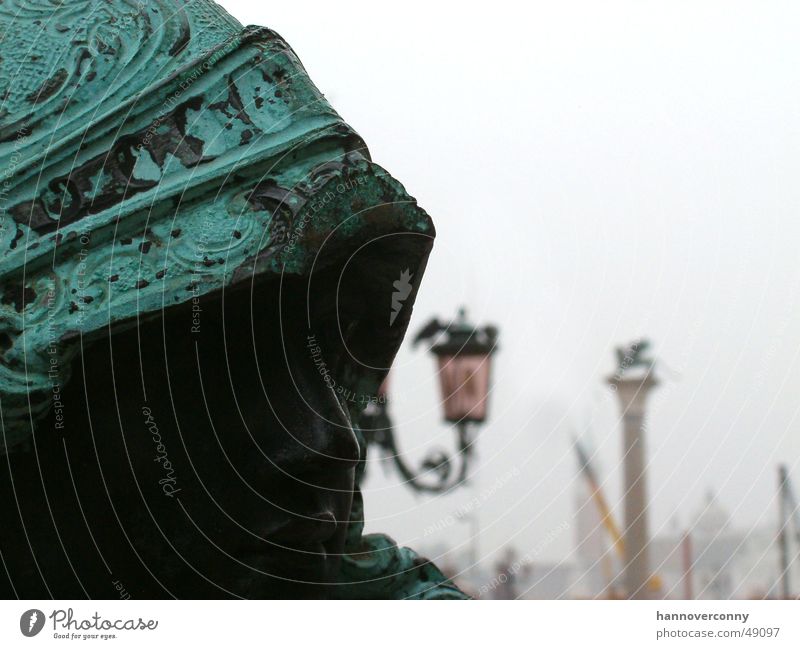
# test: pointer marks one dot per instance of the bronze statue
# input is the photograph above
(198, 261)
(634, 356)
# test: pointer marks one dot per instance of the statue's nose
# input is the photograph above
(316, 443)
(318, 432)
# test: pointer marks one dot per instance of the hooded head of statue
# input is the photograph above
(204, 276)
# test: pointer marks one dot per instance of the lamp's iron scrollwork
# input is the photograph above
(464, 354)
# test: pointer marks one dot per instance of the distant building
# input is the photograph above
(546, 581)
(726, 563)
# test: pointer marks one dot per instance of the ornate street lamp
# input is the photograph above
(464, 355)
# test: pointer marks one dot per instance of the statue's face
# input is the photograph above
(218, 461)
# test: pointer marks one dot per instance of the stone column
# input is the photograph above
(632, 393)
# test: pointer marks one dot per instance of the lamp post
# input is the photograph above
(463, 354)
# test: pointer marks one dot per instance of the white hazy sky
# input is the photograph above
(597, 171)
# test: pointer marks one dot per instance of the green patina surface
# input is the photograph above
(154, 152)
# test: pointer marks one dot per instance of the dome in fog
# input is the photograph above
(712, 518)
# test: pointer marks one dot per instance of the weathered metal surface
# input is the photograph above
(148, 170)
(154, 152)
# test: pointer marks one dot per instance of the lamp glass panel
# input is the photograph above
(464, 382)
